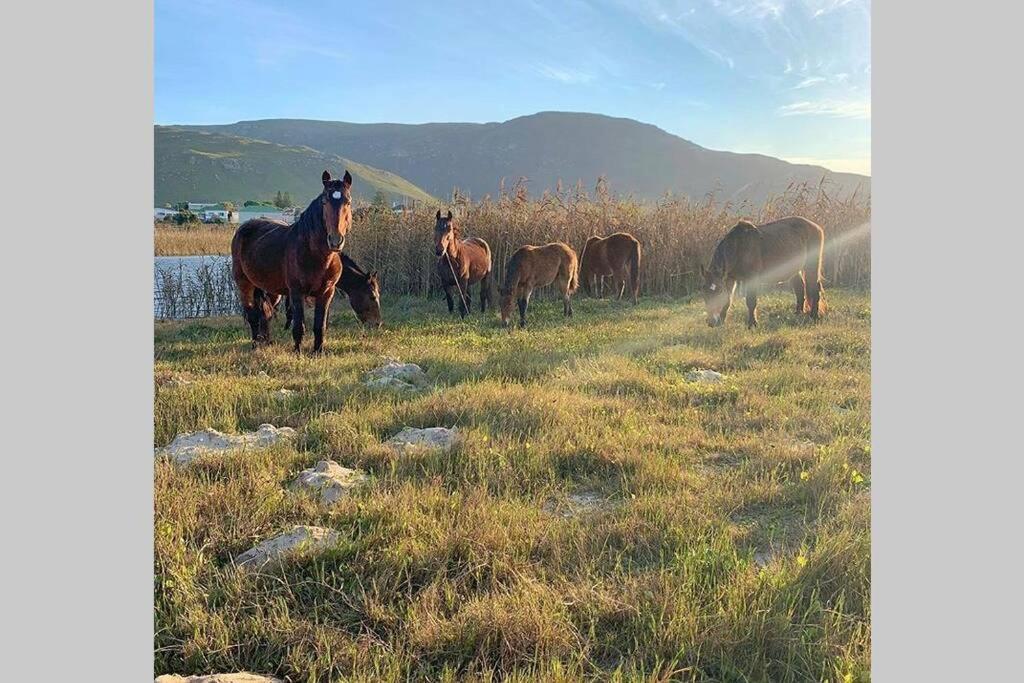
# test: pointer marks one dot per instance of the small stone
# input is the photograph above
(431, 438)
(330, 480)
(186, 447)
(241, 677)
(708, 376)
(285, 393)
(300, 541)
(577, 504)
(396, 375)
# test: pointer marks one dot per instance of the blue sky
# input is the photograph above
(789, 78)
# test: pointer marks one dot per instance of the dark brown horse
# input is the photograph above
(363, 292)
(461, 263)
(759, 257)
(531, 267)
(616, 256)
(270, 259)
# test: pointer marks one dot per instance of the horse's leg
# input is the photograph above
(800, 290)
(465, 303)
(246, 294)
(485, 287)
(566, 301)
(323, 302)
(524, 301)
(264, 311)
(751, 291)
(814, 296)
(298, 316)
(448, 298)
(287, 312)
(731, 287)
(620, 284)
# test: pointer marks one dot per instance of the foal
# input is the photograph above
(531, 267)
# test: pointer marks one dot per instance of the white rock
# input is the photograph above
(186, 447)
(285, 393)
(431, 438)
(300, 541)
(577, 504)
(330, 480)
(241, 677)
(396, 375)
(709, 376)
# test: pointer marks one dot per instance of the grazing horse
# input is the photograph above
(461, 263)
(363, 294)
(270, 259)
(531, 267)
(788, 249)
(615, 256)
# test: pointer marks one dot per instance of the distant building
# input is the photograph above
(246, 213)
(162, 214)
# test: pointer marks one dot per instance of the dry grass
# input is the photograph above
(191, 240)
(677, 234)
(732, 542)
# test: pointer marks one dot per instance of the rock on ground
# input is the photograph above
(241, 677)
(186, 447)
(431, 438)
(300, 541)
(330, 480)
(576, 504)
(396, 375)
(709, 376)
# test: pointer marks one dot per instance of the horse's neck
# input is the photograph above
(455, 248)
(307, 237)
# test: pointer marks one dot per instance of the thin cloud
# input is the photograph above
(831, 108)
(808, 82)
(564, 75)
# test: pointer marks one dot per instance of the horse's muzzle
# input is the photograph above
(335, 243)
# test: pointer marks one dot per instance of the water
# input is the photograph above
(193, 287)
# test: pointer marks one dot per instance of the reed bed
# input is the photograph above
(678, 234)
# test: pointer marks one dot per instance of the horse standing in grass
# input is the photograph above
(531, 267)
(461, 263)
(270, 259)
(788, 249)
(616, 256)
(363, 292)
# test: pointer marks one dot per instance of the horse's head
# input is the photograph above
(505, 304)
(365, 300)
(336, 209)
(716, 294)
(445, 231)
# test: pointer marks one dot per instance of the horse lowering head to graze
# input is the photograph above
(616, 256)
(790, 249)
(531, 267)
(363, 292)
(461, 263)
(270, 259)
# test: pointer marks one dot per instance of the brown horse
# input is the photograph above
(363, 292)
(788, 249)
(461, 263)
(270, 259)
(531, 267)
(616, 256)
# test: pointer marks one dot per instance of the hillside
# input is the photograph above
(192, 165)
(636, 158)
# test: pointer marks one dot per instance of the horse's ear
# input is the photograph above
(347, 178)
(326, 177)
(438, 216)
(449, 214)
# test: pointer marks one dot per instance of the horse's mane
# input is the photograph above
(311, 219)
(349, 264)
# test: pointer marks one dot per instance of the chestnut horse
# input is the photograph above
(461, 263)
(270, 259)
(531, 267)
(616, 256)
(363, 294)
(788, 249)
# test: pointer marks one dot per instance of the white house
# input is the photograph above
(217, 212)
(162, 214)
(245, 213)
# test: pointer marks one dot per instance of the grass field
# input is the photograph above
(730, 540)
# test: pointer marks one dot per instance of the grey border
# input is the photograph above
(78, 465)
(946, 516)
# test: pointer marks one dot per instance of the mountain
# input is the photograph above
(191, 165)
(636, 158)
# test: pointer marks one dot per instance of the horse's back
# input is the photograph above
(790, 240)
(258, 251)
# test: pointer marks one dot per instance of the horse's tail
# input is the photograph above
(582, 268)
(574, 274)
(512, 274)
(814, 273)
(634, 270)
